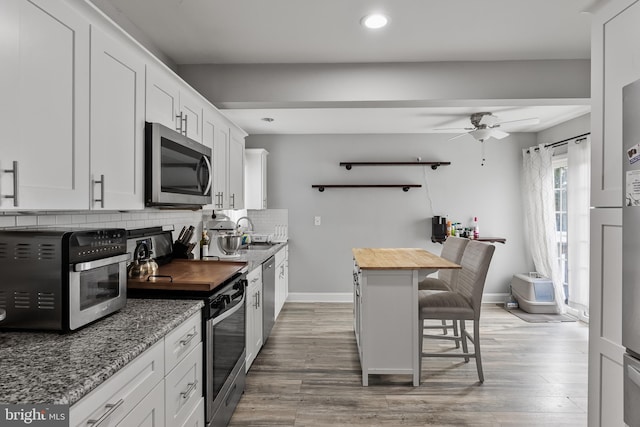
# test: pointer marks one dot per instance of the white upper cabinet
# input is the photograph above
(172, 104)
(163, 97)
(191, 108)
(215, 135)
(44, 106)
(117, 124)
(615, 65)
(255, 178)
(236, 169)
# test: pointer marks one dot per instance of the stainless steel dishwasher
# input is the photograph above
(268, 297)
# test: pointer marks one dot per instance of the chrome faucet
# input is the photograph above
(248, 220)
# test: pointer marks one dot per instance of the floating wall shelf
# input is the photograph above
(405, 187)
(434, 165)
(480, 239)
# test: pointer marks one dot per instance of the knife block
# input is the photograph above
(182, 251)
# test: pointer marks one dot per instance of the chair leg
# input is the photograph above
(456, 332)
(476, 346)
(463, 337)
(444, 330)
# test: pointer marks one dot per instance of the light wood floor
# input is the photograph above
(308, 375)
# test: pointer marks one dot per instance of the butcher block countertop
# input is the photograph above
(189, 275)
(399, 259)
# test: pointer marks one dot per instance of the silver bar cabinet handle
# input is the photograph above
(233, 200)
(192, 386)
(179, 124)
(186, 123)
(187, 339)
(14, 171)
(101, 199)
(111, 408)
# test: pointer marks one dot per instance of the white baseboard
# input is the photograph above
(347, 297)
(320, 297)
(497, 298)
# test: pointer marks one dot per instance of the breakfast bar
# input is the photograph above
(385, 296)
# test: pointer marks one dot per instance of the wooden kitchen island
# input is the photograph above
(385, 295)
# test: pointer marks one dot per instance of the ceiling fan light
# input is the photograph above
(481, 134)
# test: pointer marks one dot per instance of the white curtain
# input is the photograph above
(578, 190)
(539, 211)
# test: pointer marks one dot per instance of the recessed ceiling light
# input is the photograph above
(374, 21)
(267, 119)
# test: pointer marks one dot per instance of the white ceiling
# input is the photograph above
(328, 31)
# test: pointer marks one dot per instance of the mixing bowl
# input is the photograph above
(229, 243)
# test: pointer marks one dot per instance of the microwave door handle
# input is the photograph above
(209, 169)
(90, 265)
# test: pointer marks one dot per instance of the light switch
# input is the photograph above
(317, 220)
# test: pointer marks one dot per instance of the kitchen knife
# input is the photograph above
(181, 235)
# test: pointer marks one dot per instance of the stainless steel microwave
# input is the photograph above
(61, 279)
(178, 170)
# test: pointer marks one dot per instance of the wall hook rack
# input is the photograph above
(405, 187)
(434, 165)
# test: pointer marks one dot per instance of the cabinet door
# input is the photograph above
(117, 124)
(236, 171)
(149, 412)
(255, 178)
(44, 82)
(616, 64)
(605, 323)
(163, 97)
(191, 108)
(215, 135)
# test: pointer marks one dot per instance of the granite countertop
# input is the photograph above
(255, 257)
(53, 368)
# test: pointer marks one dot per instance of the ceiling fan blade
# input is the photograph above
(489, 120)
(529, 121)
(457, 136)
(458, 129)
(498, 134)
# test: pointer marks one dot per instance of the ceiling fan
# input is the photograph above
(485, 126)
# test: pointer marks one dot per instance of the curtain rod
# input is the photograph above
(563, 142)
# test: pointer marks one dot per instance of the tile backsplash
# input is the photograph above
(102, 219)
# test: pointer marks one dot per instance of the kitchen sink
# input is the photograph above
(257, 246)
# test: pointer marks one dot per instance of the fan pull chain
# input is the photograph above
(483, 158)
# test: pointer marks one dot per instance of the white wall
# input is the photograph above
(320, 256)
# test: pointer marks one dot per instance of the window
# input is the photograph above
(560, 193)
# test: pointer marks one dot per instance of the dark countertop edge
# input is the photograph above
(95, 380)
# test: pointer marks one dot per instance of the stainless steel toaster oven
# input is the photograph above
(61, 279)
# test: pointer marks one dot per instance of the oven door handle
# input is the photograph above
(90, 265)
(214, 321)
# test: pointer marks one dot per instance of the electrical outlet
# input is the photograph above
(317, 220)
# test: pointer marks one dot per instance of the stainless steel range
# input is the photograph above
(223, 316)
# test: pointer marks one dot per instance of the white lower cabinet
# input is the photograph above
(253, 311)
(114, 399)
(282, 279)
(196, 418)
(149, 412)
(161, 387)
(183, 388)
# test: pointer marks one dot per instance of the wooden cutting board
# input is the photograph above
(189, 275)
(399, 259)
